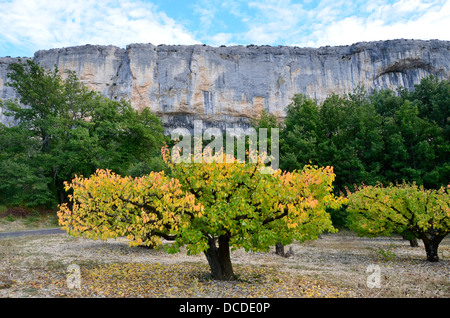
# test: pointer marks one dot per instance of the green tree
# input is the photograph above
(22, 177)
(353, 142)
(301, 134)
(433, 99)
(384, 136)
(415, 133)
(68, 129)
(405, 208)
(343, 132)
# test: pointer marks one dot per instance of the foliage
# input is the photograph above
(378, 137)
(21, 169)
(404, 208)
(63, 128)
(266, 120)
(299, 137)
(385, 254)
(229, 202)
(241, 202)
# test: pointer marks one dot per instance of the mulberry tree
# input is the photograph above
(209, 207)
(404, 208)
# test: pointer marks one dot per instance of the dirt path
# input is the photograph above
(32, 232)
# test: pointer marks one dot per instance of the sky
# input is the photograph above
(27, 26)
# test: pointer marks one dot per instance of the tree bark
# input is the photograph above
(61, 196)
(413, 242)
(431, 246)
(279, 249)
(219, 258)
(432, 252)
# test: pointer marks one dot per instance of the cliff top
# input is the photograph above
(164, 47)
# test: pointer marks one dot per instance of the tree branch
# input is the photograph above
(285, 213)
(165, 236)
(143, 205)
(387, 205)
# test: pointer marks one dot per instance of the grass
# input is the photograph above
(22, 219)
(385, 254)
(3, 209)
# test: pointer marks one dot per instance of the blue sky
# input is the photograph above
(30, 25)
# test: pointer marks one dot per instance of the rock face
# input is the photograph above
(226, 86)
(5, 91)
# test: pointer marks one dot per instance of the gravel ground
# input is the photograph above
(335, 265)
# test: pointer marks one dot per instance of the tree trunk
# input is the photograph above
(413, 242)
(59, 185)
(432, 252)
(279, 249)
(61, 196)
(431, 246)
(219, 259)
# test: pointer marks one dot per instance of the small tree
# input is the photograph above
(208, 207)
(405, 208)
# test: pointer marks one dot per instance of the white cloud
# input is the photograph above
(340, 22)
(220, 39)
(415, 19)
(43, 24)
(206, 15)
(274, 21)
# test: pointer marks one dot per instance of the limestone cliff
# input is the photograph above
(225, 86)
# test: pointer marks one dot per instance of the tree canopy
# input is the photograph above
(403, 208)
(62, 129)
(208, 207)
